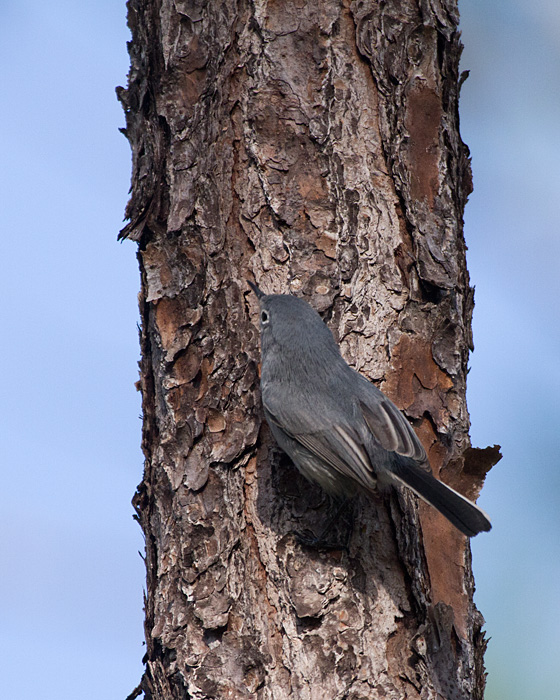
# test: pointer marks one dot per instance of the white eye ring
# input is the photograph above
(264, 317)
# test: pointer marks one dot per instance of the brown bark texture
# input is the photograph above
(313, 148)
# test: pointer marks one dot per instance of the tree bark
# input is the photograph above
(314, 148)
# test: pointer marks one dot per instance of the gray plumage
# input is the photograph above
(338, 428)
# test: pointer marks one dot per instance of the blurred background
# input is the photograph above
(510, 112)
(72, 579)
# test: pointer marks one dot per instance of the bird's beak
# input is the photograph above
(260, 294)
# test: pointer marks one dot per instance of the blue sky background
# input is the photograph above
(72, 579)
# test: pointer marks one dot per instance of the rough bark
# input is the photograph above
(315, 148)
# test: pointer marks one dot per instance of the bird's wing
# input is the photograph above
(390, 428)
(386, 424)
(327, 436)
(351, 441)
(340, 449)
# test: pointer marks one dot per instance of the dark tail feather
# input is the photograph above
(465, 515)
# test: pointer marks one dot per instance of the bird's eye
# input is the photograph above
(264, 317)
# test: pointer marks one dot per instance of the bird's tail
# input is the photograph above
(464, 514)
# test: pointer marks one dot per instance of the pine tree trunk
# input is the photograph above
(315, 149)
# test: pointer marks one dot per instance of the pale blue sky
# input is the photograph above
(510, 111)
(72, 579)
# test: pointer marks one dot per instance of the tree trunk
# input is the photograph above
(314, 148)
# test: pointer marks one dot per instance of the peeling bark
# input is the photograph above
(315, 148)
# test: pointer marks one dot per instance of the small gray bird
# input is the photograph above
(338, 428)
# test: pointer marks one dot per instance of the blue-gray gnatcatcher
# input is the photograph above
(338, 428)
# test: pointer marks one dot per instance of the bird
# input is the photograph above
(338, 428)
